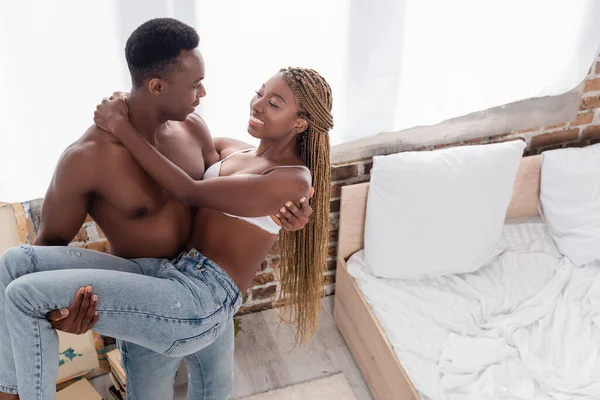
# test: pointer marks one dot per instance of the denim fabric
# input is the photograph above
(174, 308)
(150, 374)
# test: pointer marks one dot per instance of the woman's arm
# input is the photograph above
(245, 195)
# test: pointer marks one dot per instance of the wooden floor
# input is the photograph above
(265, 357)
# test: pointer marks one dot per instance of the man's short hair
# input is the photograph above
(152, 49)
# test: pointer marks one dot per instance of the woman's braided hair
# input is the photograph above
(304, 252)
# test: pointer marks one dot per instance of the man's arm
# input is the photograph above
(66, 202)
(201, 132)
(213, 148)
(226, 144)
(63, 212)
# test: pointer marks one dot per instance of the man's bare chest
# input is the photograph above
(129, 189)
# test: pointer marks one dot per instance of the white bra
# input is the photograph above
(265, 223)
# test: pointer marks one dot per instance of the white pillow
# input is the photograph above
(570, 201)
(439, 212)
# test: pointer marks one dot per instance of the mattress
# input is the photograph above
(525, 326)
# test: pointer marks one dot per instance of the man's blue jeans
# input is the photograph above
(160, 310)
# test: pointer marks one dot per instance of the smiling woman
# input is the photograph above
(272, 107)
(291, 116)
(229, 239)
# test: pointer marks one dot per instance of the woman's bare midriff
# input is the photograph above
(235, 245)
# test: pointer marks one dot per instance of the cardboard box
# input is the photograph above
(80, 390)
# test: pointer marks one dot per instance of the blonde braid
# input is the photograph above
(304, 253)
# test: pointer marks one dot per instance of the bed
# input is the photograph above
(497, 342)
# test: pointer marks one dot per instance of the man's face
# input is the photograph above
(184, 89)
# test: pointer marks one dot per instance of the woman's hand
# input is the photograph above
(294, 217)
(119, 95)
(109, 112)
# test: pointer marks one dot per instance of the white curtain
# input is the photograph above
(392, 64)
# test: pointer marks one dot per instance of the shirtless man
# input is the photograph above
(97, 175)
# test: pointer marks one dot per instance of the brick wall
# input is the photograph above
(582, 131)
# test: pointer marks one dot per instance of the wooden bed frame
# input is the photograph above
(364, 336)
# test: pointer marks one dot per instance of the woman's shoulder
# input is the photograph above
(227, 146)
(293, 164)
(290, 167)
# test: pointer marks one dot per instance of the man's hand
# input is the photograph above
(110, 111)
(294, 217)
(80, 317)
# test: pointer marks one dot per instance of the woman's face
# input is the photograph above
(274, 111)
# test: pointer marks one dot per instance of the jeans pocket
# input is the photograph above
(187, 346)
(213, 285)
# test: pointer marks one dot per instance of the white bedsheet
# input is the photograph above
(524, 327)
